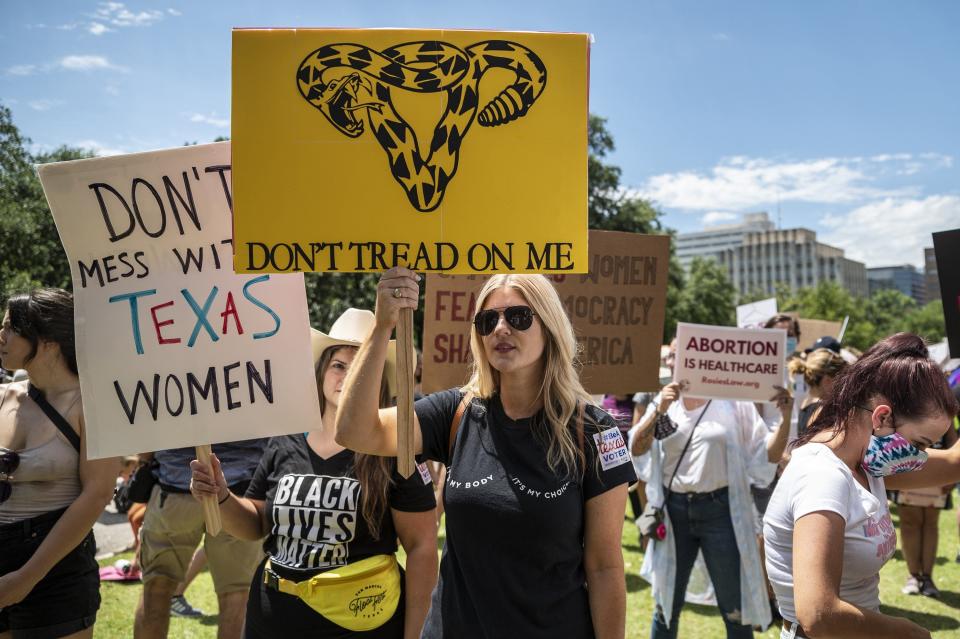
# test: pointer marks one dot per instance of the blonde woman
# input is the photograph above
(537, 476)
(819, 370)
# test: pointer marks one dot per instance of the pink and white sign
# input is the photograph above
(719, 362)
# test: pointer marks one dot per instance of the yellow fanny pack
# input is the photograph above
(359, 596)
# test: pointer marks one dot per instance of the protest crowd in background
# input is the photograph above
(706, 461)
(756, 465)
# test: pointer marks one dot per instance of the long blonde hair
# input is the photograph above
(375, 474)
(561, 389)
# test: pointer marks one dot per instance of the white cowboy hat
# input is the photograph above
(351, 329)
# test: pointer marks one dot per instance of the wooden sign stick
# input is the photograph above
(211, 509)
(405, 370)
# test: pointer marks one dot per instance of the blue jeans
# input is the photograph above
(702, 522)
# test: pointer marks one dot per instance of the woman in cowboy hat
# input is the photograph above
(537, 475)
(332, 518)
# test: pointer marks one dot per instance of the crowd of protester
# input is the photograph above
(771, 511)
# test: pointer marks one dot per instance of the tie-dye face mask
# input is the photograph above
(892, 454)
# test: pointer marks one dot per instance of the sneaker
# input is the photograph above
(927, 589)
(179, 607)
(912, 587)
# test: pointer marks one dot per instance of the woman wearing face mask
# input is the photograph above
(536, 475)
(827, 529)
(331, 519)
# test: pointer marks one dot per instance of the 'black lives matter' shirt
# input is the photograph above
(512, 564)
(314, 508)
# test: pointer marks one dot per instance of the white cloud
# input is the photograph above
(98, 148)
(116, 14)
(174, 12)
(44, 104)
(22, 69)
(87, 63)
(741, 183)
(718, 217)
(67, 27)
(97, 29)
(212, 120)
(891, 230)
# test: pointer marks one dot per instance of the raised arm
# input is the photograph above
(777, 443)
(641, 435)
(817, 568)
(942, 468)
(361, 426)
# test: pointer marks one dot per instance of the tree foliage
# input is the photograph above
(708, 296)
(30, 251)
(886, 312)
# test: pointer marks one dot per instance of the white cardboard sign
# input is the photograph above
(173, 348)
(753, 315)
(719, 362)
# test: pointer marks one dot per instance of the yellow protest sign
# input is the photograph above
(457, 151)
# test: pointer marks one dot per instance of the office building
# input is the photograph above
(904, 278)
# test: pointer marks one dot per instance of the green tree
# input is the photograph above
(30, 251)
(708, 297)
(926, 321)
(610, 208)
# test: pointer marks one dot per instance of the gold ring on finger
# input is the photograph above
(397, 293)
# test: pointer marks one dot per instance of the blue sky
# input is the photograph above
(843, 114)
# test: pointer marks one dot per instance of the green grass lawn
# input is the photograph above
(942, 616)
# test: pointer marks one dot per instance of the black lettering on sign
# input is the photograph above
(208, 387)
(145, 208)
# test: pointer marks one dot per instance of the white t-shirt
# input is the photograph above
(816, 479)
(704, 467)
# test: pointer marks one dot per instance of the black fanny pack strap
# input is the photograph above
(685, 447)
(58, 420)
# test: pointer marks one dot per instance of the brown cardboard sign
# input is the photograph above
(617, 310)
(813, 329)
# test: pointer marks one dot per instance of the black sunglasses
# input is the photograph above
(518, 317)
(9, 461)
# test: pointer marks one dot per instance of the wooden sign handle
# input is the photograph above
(405, 370)
(211, 509)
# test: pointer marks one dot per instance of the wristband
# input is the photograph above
(222, 501)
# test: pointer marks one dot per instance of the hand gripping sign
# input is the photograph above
(442, 151)
(719, 362)
(173, 348)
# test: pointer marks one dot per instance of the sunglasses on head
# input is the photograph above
(518, 317)
(9, 461)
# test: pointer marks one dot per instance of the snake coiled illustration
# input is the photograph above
(346, 81)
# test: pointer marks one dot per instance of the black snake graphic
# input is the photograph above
(345, 80)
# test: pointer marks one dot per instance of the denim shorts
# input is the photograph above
(66, 600)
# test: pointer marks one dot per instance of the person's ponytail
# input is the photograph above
(897, 369)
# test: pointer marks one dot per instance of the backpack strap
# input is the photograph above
(581, 407)
(455, 424)
(58, 420)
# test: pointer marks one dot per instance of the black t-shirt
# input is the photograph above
(314, 508)
(512, 564)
